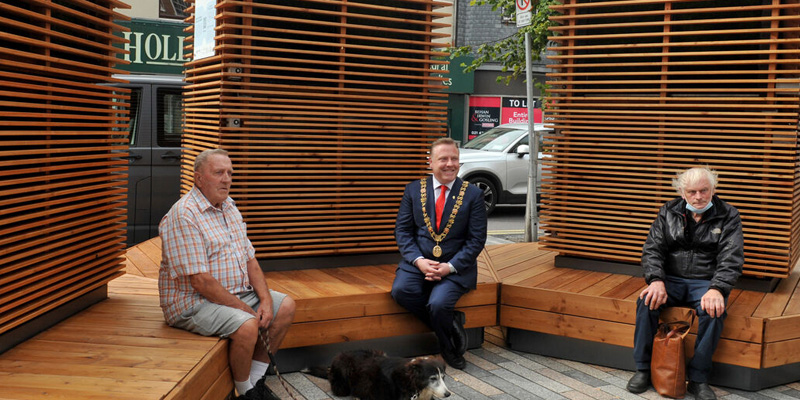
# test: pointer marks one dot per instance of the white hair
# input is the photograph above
(203, 157)
(694, 175)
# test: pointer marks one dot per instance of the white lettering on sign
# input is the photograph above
(154, 49)
(442, 67)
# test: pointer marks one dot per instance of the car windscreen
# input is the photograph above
(496, 139)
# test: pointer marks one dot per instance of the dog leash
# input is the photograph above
(265, 341)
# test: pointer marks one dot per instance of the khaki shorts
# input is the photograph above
(211, 319)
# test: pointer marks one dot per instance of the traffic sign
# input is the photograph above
(524, 8)
(523, 19)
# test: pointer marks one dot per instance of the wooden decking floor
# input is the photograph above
(122, 349)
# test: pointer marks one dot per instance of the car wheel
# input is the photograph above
(489, 192)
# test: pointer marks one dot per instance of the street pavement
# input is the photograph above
(495, 372)
(498, 373)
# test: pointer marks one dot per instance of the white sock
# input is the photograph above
(243, 387)
(257, 370)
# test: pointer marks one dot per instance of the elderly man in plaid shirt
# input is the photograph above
(210, 282)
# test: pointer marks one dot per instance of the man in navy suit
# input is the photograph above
(440, 236)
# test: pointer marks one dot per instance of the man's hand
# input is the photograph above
(433, 270)
(654, 295)
(264, 316)
(713, 303)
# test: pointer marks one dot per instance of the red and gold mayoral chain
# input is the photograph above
(423, 196)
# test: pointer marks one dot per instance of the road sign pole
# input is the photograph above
(524, 17)
(531, 213)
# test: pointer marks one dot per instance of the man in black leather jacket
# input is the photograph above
(692, 257)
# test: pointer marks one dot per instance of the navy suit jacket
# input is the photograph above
(460, 247)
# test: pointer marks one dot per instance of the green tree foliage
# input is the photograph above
(510, 51)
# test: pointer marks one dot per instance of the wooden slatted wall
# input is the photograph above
(644, 88)
(62, 178)
(328, 108)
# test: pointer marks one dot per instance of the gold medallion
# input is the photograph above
(437, 250)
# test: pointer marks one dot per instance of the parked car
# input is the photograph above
(497, 162)
(155, 128)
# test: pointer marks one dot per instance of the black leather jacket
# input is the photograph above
(715, 254)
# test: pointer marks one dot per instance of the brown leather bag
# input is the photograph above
(668, 365)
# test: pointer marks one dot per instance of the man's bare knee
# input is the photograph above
(247, 332)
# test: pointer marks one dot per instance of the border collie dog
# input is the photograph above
(372, 375)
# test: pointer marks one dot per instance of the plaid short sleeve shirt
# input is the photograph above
(197, 237)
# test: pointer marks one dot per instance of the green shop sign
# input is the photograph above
(155, 47)
(457, 81)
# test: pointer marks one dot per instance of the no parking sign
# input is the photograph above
(524, 8)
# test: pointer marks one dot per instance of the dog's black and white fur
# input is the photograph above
(372, 375)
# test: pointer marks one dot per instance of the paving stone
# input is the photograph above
(503, 396)
(619, 392)
(592, 391)
(510, 388)
(774, 394)
(743, 394)
(577, 395)
(585, 378)
(492, 357)
(480, 362)
(734, 396)
(548, 362)
(306, 387)
(474, 370)
(514, 357)
(466, 392)
(590, 369)
(536, 377)
(793, 393)
(274, 384)
(497, 373)
(527, 385)
(474, 382)
(653, 395)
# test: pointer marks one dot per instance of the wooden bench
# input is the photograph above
(346, 305)
(589, 316)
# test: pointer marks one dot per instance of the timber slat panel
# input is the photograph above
(327, 109)
(62, 144)
(641, 90)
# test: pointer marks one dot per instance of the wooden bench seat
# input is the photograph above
(590, 316)
(119, 348)
(348, 303)
(353, 303)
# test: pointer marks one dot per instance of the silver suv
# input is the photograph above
(497, 162)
